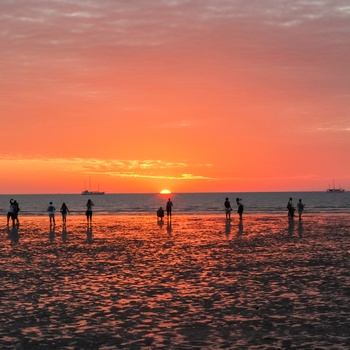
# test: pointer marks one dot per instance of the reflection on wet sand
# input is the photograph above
(300, 229)
(52, 233)
(160, 223)
(64, 233)
(134, 287)
(290, 227)
(240, 228)
(89, 237)
(169, 227)
(227, 227)
(13, 234)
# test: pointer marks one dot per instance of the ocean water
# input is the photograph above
(184, 203)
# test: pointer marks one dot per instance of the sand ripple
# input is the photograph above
(199, 283)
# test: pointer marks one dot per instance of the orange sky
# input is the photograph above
(193, 96)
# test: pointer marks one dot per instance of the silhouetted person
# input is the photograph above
(64, 211)
(160, 213)
(11, 212)
(228, 209)
(51, 209)
(240, 207)
(300, 206)
(290, 208)
(88, 212)
(15, 212)
(169, 208)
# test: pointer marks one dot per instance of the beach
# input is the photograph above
(199, 282)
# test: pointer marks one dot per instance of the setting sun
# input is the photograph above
(165, 192)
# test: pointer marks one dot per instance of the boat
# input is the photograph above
(86, 193)
(91, 193)
(335, 189)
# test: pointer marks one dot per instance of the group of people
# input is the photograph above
(291, 209)
(228, 208)
(13, 212)
(240, 208)
(64, 211)
(168, 208)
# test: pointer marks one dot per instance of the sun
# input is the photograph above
(165, 192)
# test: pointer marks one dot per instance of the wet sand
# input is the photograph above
(199, 283)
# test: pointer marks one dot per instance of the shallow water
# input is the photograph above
(184, 203)
(199, 283)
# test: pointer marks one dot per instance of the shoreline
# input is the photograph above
(234, 216)
(148, 225)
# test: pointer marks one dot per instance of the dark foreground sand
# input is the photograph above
(129, 283)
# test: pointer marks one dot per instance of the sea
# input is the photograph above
(130, 281)
(183, 203)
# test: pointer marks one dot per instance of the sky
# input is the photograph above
(139, 96)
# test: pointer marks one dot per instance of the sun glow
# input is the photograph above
(165, 192)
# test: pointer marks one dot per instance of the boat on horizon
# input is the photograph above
(86, 192)
(335, 189)
(89, 192)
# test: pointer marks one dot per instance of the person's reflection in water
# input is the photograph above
(290, 227)
(228, 227)
(13, 234)
(169, 227)
(240, 228)
(300, 229)
(89, 238)
(160, 223)
(64, 234)
(52, 233)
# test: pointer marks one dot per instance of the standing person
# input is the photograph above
(88, 212)
(51, 209)
(290, 208)
(300, 206)
(11, 212)
(169, 207)
(240, 207)
(64, 211)
(15, 213)
(228, 208)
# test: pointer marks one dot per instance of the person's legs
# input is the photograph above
(52, 219)
(8, 217)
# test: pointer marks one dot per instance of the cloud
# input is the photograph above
(181, 177)
(177, 124)
(133, 23)
(333, 129)
(151, 169)
(333, 125)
